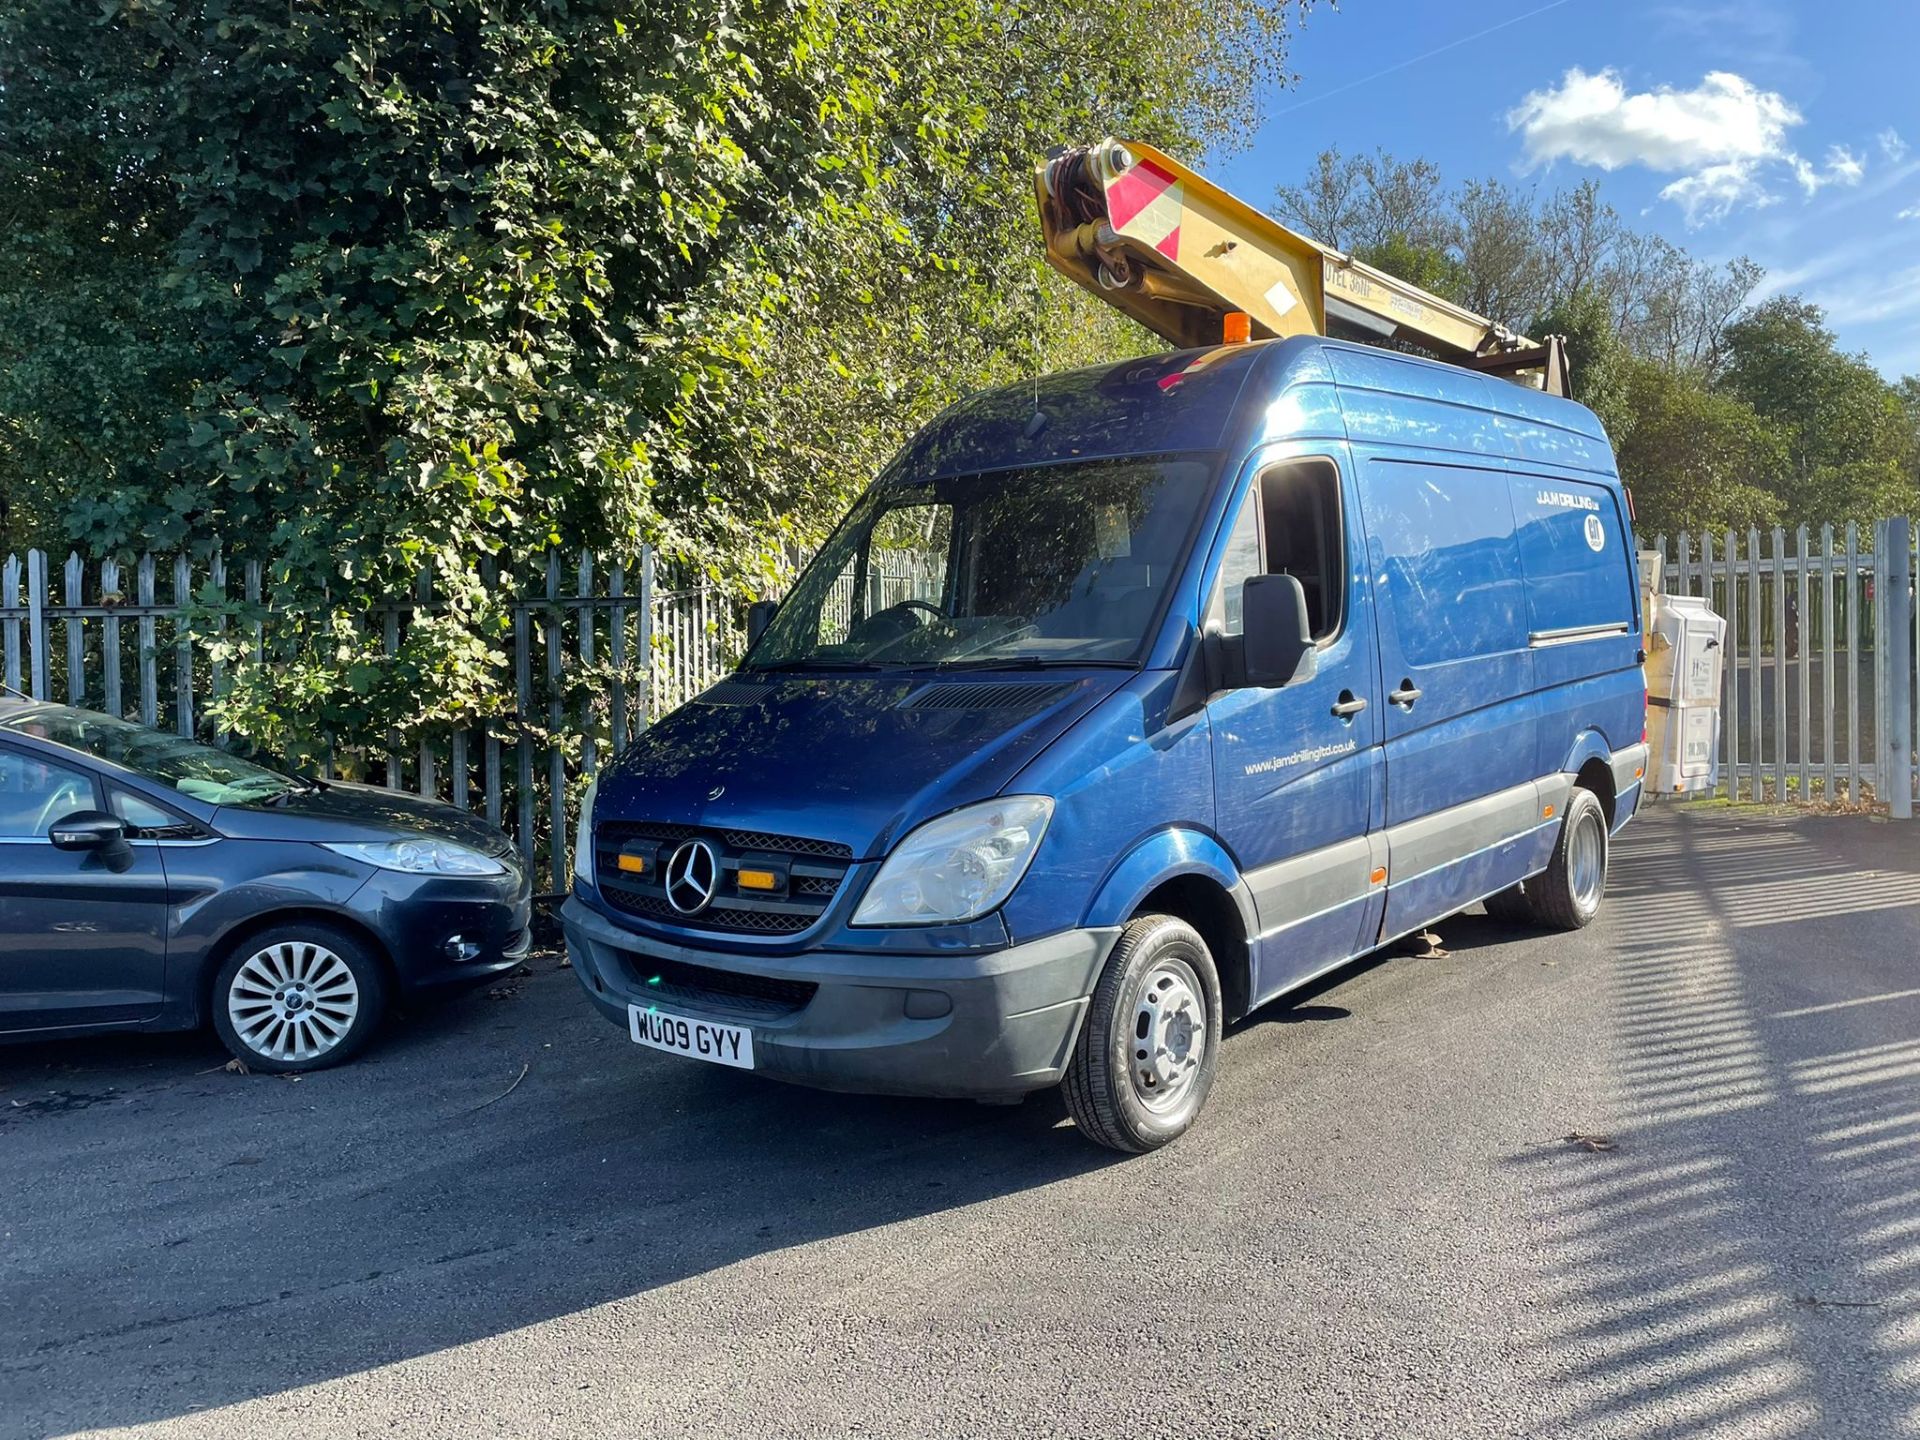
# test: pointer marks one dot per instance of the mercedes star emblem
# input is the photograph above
(692, 874)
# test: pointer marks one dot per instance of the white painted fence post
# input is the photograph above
(1895, 641)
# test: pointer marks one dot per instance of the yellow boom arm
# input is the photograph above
(1178, 253)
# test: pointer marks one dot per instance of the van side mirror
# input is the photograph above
(1278, 642)
(759, 616)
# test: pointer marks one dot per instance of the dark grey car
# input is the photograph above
(148, 882)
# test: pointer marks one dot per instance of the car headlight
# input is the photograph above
(583, 835)
(421, 855)
(959, 866)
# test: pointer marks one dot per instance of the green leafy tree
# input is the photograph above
(1696, 459)
(1849, 441)
(378, 287)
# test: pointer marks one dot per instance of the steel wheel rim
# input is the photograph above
(1168, 1039)
(294, 1000)
(1586, 862)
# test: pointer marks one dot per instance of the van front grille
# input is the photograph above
(765, 997)
(808, 875)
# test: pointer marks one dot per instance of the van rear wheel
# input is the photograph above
(1147, 1051)
(1566, 895)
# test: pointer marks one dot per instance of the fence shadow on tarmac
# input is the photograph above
(1747, 1259)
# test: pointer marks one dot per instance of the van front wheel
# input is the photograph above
(1147, 1050)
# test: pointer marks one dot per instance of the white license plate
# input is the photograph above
(702, 1039)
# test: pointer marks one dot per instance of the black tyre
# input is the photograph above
(1566, 895)
(300, 996)
(1509, 905)
(1147, 1051)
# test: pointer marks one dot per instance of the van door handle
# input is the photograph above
(1348, 705)
(1405, 695)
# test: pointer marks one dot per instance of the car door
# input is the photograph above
(1294, 766)
(82, 933)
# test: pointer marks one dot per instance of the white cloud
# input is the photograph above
(1843, 168)
(1891, 145)
(1719, 189)
(1592, 119)
(1912, 212)
(1726, 138)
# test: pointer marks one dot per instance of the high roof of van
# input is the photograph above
(1208, 399)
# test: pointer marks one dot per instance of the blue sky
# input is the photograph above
(1789, 132)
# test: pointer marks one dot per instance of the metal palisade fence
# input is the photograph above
(596, 651)
(116, 635)
(1818, 684)
(1818, 701)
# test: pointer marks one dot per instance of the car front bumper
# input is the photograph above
(449, 932)
(981, 1025)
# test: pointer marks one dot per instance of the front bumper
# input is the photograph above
(983, 1026)
(446, 933)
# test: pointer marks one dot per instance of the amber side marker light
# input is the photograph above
(759, 880)
(1379, 876)
(1548, 812)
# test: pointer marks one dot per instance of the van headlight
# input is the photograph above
(959, 866)
(420, 856)
(583, 835)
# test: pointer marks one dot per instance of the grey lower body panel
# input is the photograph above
(976, 1025)
(1629, 767)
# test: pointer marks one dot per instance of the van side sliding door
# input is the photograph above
(1462, 807)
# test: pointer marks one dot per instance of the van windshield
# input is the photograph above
(1065, 564)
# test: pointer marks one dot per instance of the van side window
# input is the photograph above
(1302, 504)
(1289, 525)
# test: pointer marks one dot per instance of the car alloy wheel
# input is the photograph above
(293, 1001)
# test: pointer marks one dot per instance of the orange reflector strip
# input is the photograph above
(759, 880)
(1379, 876)
(632, 864)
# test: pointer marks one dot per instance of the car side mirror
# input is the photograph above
(89, 830)
(759, 616)
(1277, 639)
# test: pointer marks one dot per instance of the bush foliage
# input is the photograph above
(374, 287)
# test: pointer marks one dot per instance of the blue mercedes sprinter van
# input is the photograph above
(1123, 703)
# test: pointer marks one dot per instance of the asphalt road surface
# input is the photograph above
(1381, 1229)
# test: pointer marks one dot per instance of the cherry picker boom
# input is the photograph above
(1181, 256)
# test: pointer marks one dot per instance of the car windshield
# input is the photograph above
(1063, 564)
(195, 770)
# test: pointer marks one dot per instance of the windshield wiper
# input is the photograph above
(820, 665)
(298, 787)
(1029, 662)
